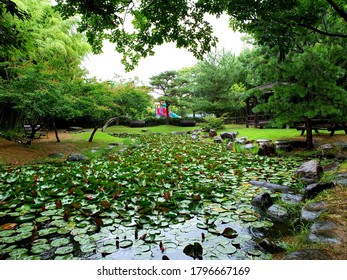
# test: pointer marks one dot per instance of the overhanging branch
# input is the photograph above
(339, 10)
(339, 35)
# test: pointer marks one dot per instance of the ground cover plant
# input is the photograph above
(167, 195)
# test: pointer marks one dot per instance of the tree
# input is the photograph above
(131, 101)
(213, 83)
(35, 80)
(278, 24)
(171, 86)
(310, 89)
(152, 24)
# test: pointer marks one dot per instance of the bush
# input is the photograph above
(214, 123)
(153, 121)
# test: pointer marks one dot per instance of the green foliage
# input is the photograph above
(214, 123)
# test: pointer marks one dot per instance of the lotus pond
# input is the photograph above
(166, 195)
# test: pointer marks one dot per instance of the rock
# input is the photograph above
(268, 245)
(229, 135)
(75, 129)
(204, 136)
(325, 147)
(312, 211)
(144, 130)
(114, 144)
(178, 132)
(262, 201)
(312, 190)
(56, 155)
(270, 186)
(266, 149)
(217, 139)
(229, 146)
(307, 254)
(292, 198)
(341, 179)
(341, 145)
(331, 167)
(263, 141)
(310, 172)
(283, 145)
(194, 137)
(212, 133)
(341, 156)
(277, 213)
(324, 232)
(241, 140)
(249, 146)
(76, 157)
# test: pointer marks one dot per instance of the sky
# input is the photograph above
(108, 66)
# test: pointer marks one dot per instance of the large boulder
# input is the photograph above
(310, 172)
(292, 198)
(277, 213)
(313, 210)
(76, 157)
(262, 201)
(325, 232)
(229, 135)
(313, 190)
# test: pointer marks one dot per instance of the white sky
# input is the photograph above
(107, 66)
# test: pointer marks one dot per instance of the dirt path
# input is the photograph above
(14, 153)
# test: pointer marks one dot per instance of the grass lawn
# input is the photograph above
(250, 133)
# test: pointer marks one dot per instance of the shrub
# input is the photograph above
(214, 123)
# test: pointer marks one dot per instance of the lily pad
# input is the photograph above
(229, 233)
(125, 243)
(88, 248)
(60, 242)
(108, 249)
(64, 250)
(38, 249)
(226, 249)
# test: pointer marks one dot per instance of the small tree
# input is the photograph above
(171, 86)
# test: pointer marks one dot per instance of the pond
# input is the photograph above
(164, 196)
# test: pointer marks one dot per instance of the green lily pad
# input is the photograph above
(64, 257)
(44, 232)
(6, 233)
(255, 252)
(88, 248)
(18, 253)
(38, 249)
(60, 242)
(125, 243)
(108, 249)
(64, 250)
(25, 218)
(226, 249)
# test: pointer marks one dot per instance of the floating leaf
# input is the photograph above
(125, 243)
(8, 226)
(229, 233)
(64, 250)
(226, 249)
(195, 251)
(60, 242)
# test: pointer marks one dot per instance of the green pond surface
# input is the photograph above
(154, 199)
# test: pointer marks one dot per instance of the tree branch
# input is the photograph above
(339, 10)
(323, 32)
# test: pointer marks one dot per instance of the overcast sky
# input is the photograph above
(107, 66)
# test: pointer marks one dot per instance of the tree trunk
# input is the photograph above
(94, 131)
(55, 132)
(309, 135)
(167, 114)
(111, 120)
